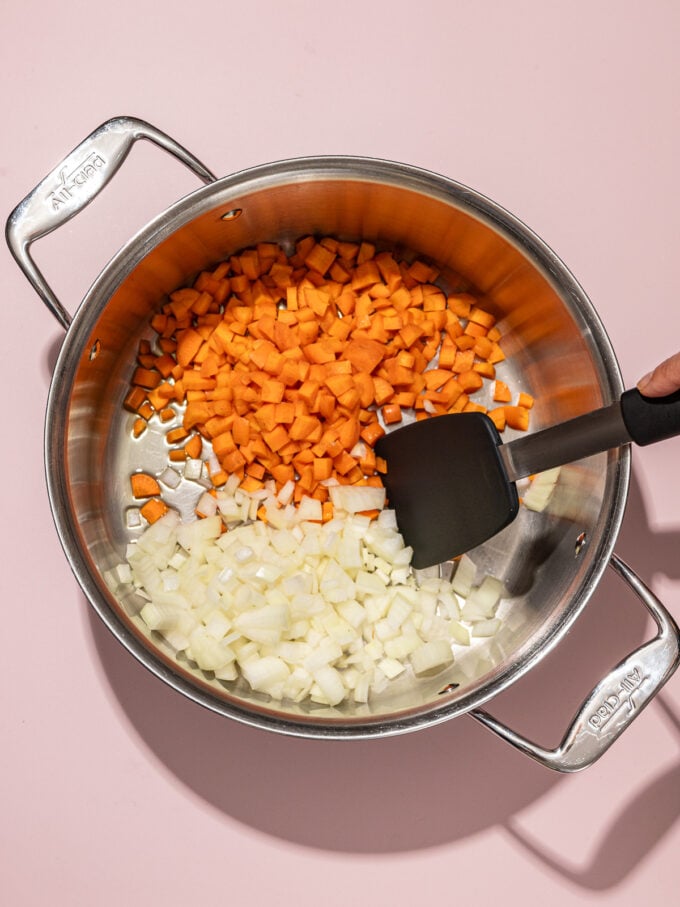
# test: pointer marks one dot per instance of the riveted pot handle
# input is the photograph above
(616, 701)
(73, 184)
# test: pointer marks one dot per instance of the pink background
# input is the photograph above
(114, 789)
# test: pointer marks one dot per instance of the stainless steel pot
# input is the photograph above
(550, 562)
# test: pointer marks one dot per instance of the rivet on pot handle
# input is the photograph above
(616, 701)
(73, 184)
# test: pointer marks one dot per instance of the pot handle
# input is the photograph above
(73, 184)
(616, 700)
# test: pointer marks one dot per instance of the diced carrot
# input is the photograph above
(159, 322)
(349, 432)
(250, 483)
(364, 354)
(365, 275)
(421, 272)
(393, 370)
(450, 392)
(465, 342)
(383, 391)
(436, 378)
(372, 433)
(447, 353)
(189, 342)
(391, 413)
(486, 369)
(405, 399)
(325, 405)
(348, 251)
(501, 393)
(134, 399)
(304, 427)
(193, 447)
(194, 381)
(474, 329)
(350, 400)
(497, 416)
(272, 391)
(470, 381)
(284, 362)
(146, 378)
(366, 250)
(164, 364)
(319, 258)
(343, 463)
(232, 462)
(153, 510)
(322, 468)
(196, 413)
(139, 426)
(283, 473)
(459, 403)
(285, 413)
(146, 410)
(175, 435)
(143, 485)
(339, 384)
(276, 438)
(367, 462)
(481, 317)
(255, 471)
(364, 384)
(496, 355)
(460, 305)
(389, 271)
(483, 347)
(320, 352)
(517, 417)
(464, 361)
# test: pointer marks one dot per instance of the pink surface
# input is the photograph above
(114, 789)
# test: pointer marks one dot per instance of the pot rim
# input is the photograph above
(177, 215)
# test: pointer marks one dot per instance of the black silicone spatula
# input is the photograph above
(451, 480)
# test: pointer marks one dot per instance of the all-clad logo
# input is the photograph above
(622, 698)
(70, 182)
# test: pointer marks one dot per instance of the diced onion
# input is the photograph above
(300, 608)
(170, 477)
(357, 498)
(431, 657)
(541, 489)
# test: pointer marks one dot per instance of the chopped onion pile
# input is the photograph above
(330, 611)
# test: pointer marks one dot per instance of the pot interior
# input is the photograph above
(555, 349)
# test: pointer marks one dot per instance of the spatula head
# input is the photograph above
(448, 485)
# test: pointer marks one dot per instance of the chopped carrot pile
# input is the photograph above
(292, 366)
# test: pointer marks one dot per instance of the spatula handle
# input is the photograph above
(650, 419)
(643, 420)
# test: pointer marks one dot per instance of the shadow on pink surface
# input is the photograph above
(639, 825)
(422, 789)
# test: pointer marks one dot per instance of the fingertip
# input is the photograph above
(644, 382)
